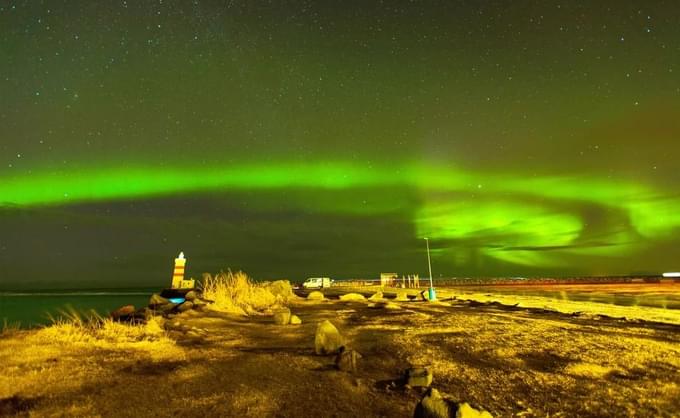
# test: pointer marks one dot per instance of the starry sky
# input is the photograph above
(300, 138)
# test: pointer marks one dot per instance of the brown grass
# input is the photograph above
(237, 293)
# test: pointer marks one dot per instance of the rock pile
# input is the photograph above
(160, 305)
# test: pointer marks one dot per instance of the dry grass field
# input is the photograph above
(514, 361)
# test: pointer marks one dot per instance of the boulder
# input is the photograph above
(185, 306)
(191, 295)
(281, 289)
(434, 405)
(123, 311)
(167, 308)
(295, 320)
(315, 295)
(282, 316)
(352, 297)
(157, 300)
(418, 377)
(346, 360)
(260, 299)
(327, 339)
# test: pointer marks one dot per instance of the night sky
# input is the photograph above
(296, 139)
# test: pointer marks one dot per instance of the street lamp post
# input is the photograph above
(431, 292)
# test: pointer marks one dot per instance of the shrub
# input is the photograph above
(237, 293)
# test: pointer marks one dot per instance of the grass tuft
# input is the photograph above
(237, 293)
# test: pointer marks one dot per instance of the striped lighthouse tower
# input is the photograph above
(178, 272)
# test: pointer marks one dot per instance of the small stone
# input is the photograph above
(346, 360)
(327, 339)
(295, 320)
(434, 405)
(315, 295)
(377, 296)
(282, 316)
(402, 296)
(157, 300)
(185, 306)
(418, 377)
(352, 297)
(123, 311)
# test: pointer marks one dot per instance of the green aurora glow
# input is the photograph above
(507, 211)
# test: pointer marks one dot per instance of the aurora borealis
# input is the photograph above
(311, 138)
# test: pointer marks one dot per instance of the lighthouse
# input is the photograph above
(178, 281)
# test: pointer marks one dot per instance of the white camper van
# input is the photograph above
(317, 283)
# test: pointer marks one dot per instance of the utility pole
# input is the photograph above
(431, 292)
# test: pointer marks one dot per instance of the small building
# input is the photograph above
(388, 279)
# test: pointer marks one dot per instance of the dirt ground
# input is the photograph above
(513, 361)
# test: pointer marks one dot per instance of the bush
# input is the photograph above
(237, 293)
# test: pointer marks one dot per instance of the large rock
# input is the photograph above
(295, 320)
(157, 300)
(123, 311)
(346, 360)
(327, 339)
(418, 377)
(282, 316)
(352, 297)
(434, 405)
(281, 289)
(315, 295)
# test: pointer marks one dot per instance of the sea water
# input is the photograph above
(34, 308)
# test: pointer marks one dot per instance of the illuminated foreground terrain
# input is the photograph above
(513, 361)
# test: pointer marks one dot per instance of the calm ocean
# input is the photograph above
(33, 308)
